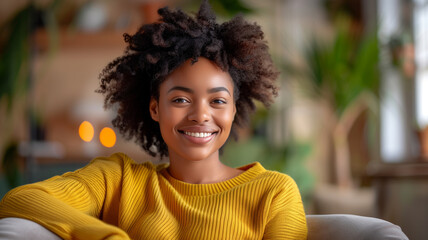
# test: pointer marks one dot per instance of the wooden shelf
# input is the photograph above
(399, 170)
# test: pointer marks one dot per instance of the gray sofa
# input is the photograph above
(351, 227)
(330, 226)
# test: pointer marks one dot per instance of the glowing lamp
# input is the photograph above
(107, 137)
(86, 131)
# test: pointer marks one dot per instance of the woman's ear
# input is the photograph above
(154, 109)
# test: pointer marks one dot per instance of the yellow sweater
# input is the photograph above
(116, 198)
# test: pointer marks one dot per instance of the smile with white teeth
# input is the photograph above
(198, 135)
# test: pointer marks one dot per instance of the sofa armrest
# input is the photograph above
(320, 227)
(348, 226)
(23, 229)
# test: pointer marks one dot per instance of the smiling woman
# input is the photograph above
(195, 111)
(182, 87)
(191, 100)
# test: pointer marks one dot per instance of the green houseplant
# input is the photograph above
(343, 75)
(16, 47)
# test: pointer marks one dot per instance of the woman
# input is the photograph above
(182, 87)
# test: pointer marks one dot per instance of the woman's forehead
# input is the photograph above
(203, 73)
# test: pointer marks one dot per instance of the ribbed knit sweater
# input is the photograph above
(116, 198)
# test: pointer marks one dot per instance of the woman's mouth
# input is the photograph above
(198, 137)
(199, 134)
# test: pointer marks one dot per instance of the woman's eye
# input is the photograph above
(180, 100)
(219, 101)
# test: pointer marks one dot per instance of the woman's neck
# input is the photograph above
(210, 170)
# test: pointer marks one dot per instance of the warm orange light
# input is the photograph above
(86, 131)
(107, 137)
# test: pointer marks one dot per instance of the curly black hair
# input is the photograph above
(157, 49)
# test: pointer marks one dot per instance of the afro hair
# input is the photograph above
(157, 49)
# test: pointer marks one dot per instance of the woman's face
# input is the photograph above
(195, 110)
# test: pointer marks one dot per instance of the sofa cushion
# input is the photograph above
(350, 227)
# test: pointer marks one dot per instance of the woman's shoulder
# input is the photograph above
(279, 179)
(123, 162)
(260, 173)
(122, 167)
(273, 179)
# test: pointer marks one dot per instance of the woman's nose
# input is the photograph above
(199, 113)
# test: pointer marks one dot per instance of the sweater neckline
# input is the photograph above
(250, 171)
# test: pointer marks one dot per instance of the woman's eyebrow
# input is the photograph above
(180, 88)
(218, 89)
(212, 90)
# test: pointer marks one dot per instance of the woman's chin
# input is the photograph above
(197, 155)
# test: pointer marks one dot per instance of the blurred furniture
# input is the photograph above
(402, 194)
(320, 227)
(34, 150)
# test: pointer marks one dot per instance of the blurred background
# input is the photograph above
(349, 125)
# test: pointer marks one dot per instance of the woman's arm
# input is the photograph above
(71, 205)
(287, 219)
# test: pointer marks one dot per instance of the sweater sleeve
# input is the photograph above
(287, 219)
(70, 205)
